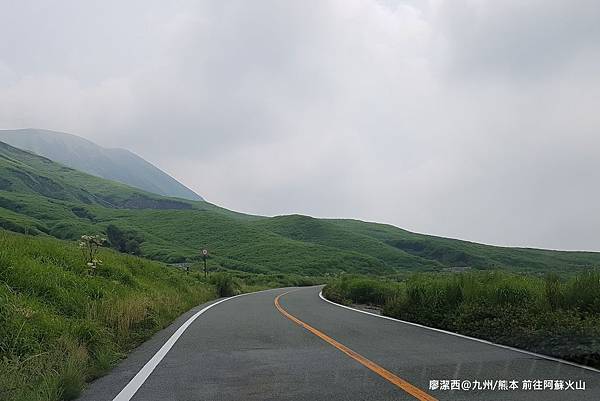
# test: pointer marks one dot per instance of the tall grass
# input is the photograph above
(361, 290)
(551, 315)
(61, 326)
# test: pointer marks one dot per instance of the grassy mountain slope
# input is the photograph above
(114, 164)
(27, 173)
(451, 252)
(38, 196)
(323, 232)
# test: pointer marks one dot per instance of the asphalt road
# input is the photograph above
(245, 348)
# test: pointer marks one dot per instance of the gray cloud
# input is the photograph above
(472, 119)
(518, 39)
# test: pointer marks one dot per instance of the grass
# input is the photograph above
(40, 197)
(555, 316)
(60, 326)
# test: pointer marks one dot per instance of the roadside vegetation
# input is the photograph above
(551, 315)
(64, 321)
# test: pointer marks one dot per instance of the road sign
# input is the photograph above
(204, 255)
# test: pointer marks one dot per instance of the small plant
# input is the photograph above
(89, 246)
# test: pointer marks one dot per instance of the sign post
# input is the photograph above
(204, 255)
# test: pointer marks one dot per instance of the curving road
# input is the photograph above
(289, 344)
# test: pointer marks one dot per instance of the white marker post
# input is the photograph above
(204, 255)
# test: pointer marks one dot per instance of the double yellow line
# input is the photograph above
(386, 374)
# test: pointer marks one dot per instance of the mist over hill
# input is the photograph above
(116, 164)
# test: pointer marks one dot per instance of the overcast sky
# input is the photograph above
(475, 119)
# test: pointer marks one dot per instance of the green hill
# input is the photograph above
(457, 253)
(41, 197)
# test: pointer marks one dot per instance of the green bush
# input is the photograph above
(360, 290)
(366, 291)
(225, 284)
(126, 241)
(582, 292)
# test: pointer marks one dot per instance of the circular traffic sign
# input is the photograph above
(204, 252)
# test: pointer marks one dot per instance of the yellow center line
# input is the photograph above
(386, 374)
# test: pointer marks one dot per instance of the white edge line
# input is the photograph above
(462, 336)
(134, 384)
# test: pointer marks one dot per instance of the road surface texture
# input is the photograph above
(289, 344)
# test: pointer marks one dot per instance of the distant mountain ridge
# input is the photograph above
(115, 164)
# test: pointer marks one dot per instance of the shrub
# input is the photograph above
(360, 289)
(367, 291)
(582, 292)
(225, 284)
(126, 241)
